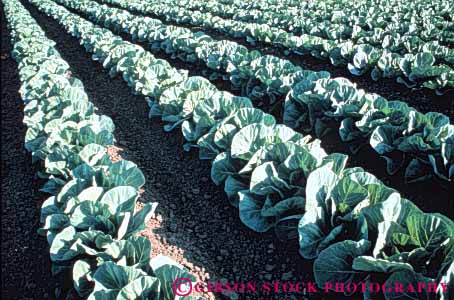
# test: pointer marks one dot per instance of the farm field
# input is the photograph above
(227, 142)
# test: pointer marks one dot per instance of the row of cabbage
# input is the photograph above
(383, 29)
(399, 10)
(423, 144)
(90, 221)
(276, 176)
(421, 69)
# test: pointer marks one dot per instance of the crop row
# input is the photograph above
(409, 69)
(406, 138)
(377, 28)
(417, 12)
(91, 221)
(270, 172)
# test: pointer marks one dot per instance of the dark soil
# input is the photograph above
(25, 254)
(424, 100)
(366, 158)
(196, 225)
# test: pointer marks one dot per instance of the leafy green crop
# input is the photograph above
(341, 20)
(403, 136)
(90, 221)
(276, 176)
(311, 101)
(380, 53)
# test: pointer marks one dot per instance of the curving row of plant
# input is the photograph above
(384, 28)
(276, 176)
(423, 144)
(336, 11)
(412, 70)
(421, 12)
(91, 221)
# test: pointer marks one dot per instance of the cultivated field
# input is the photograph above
(274, 149)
